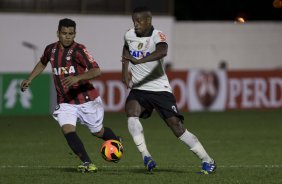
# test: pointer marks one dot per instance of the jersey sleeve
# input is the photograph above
(45, 56)
(125, 40)
(85, 58)
(159, 37)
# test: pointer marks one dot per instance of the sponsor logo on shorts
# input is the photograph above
(174, 108)
(57, 107)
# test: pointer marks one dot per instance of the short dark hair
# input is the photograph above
(141, 9)
(66, 23)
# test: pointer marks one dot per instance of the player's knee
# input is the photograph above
(132, 113)
(133, 109)
(67, 128)
(99, 134)
(176, 126)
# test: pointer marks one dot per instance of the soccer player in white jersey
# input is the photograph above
(144, 49)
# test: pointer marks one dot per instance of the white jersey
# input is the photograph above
(148, 76)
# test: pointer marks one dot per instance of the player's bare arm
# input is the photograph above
(159, 53)
(90, 74)
(125, 73)
(35, 72)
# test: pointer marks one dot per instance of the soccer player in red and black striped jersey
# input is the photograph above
(72, 68)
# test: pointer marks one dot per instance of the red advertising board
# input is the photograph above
(254, 89)
(212, 90)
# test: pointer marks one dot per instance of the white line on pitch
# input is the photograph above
(141, 166)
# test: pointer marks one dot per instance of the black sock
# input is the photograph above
(109, 134)
(77, 146)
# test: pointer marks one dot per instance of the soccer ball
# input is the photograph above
(112, 150)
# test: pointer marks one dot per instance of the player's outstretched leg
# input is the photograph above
(208, 164)
(136, 130)
(77, 147)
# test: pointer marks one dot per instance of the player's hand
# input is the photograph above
(69, 81)
(124, 60)
(130, 59)
(25, 84)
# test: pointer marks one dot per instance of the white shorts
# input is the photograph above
(90, 114)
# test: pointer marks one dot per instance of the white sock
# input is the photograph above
(195, 146)
(136, 130)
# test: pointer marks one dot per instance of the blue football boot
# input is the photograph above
(149, 163)
(208, 168)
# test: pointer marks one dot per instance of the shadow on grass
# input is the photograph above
(69, 170)
(126, 171)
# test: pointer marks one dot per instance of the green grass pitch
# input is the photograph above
(247, 146)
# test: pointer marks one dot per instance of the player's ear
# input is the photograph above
(58, 33)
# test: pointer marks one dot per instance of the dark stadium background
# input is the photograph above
(193, 10)
(255, 10)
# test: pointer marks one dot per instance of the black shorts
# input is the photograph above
(163, 102)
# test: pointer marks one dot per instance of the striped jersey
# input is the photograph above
(70, 61)
(148, 76)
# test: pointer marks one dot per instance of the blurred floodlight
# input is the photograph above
(239, 20)
(277, 3)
